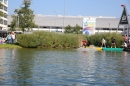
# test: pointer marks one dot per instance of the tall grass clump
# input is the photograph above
(48, 40)
(97, 39)
(28, 40)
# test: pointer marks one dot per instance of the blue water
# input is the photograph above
(70, 67)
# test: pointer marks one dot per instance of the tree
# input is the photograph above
(24, 18)
(68, 29)
(74, 30)
(77, 29)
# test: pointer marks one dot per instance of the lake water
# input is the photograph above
(67, 67)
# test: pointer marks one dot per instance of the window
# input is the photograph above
(5, 1)
(5, 15)
(5, 22)
(5, 8)
(1, 7)
(1, 21)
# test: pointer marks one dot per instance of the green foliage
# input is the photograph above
(54, 40)
(13, 24)
(73, 30)
(97, 38)
(25, 17)
(68, 29)
(48, 40)
(77, 29)
(28, 40)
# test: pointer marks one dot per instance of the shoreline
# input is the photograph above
(9, 46)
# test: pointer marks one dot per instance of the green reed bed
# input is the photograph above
(97, 38)
(57, 40)
(48, 40)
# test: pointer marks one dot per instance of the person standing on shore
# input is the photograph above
(13, 37)
(9, 38)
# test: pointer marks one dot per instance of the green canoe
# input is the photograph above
(126, 49)
(112, 49)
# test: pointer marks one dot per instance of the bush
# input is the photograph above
(48, 40)
(54, 40)
(28, 40)
(97, 38)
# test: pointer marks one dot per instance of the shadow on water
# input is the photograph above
(64, 67)
(19, 63)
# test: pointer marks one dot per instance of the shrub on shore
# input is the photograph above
(97, 38)
(48, 40)
(54, 40)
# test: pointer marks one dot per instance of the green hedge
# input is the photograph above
(48, 40)
(54, 40)
(97, 38)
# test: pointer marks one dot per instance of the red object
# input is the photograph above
(84, 42)
(123, 5)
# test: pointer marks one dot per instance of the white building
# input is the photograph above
(3, 19)
(54, 23)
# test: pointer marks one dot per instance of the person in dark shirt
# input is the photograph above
(113, 44)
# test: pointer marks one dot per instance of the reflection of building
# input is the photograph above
(3, 68)
(3, 9)
(99, 23)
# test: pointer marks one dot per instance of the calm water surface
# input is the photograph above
(76, 67)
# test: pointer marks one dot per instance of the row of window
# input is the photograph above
(121, 29)
(46, 27)
(3, 21)
(4, 15)
(5, 1)
(3, 8)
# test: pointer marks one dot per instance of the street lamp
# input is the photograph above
(17, 19)
(63, 17)
(56, 16)
(109, 27)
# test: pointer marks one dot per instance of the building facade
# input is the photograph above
(57, 23)
(3, 19)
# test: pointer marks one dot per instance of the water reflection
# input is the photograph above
(64, 67)
(3, 62)
(23, 62)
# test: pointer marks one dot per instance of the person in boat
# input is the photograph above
(124, 45)
(84, 43)
(113, 44)
(125, 38)
(103, 42)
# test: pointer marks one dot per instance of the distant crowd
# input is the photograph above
(9, 39)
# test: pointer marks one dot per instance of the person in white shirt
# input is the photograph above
(13, 37)
(103, 42)
(124, 45)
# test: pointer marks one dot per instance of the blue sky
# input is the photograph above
(74, 7)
